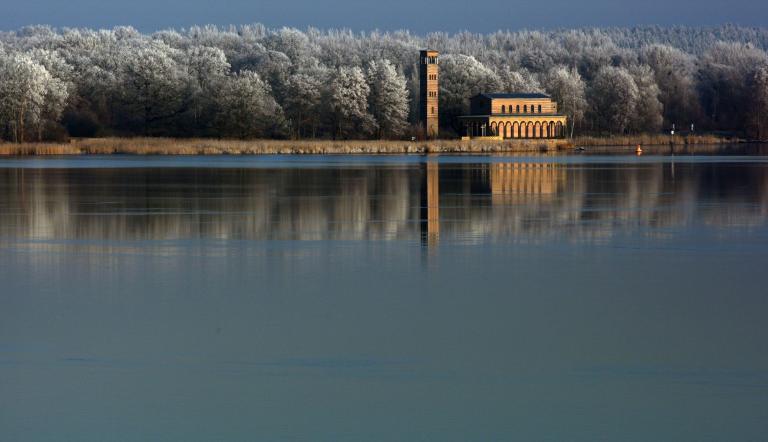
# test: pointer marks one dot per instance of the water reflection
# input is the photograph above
(430, 204)
(431, 201)
(173, 293)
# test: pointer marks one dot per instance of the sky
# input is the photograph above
(420, 16)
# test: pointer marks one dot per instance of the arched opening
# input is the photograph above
(518, 109)
(525, 108)
(539, 108)
(503, 109)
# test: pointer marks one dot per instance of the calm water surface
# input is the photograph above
(546, 298)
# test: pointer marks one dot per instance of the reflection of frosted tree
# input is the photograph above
(538, 201)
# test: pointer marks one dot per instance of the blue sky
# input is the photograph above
(449, 15)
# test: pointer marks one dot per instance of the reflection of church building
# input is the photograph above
(525, 180)
(504, 116)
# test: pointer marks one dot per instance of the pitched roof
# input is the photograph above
(515, 95)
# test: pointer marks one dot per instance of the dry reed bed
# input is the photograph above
(172, 146)
(652, 140)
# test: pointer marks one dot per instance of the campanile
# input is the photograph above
(428, 79)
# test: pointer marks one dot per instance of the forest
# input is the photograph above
(251, 82)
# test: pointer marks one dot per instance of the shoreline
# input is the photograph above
(199, 146)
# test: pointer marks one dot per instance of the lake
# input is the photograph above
(384, 298)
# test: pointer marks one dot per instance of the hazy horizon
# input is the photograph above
(423, 17)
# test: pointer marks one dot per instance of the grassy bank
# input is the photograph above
(171, 146)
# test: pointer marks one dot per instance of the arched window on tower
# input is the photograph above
(518, 109)
(539, 108)
(525, 108)
(503, 109)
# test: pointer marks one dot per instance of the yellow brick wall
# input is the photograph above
(547, 106)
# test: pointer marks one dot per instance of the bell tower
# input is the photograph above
(428, 80)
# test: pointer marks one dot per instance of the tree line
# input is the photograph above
(251, 81)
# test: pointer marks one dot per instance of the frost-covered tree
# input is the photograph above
(247, 108)
(536, 52)
(347, 99)
(59, 88)
(295, 45)
(302, 102)
(569, 91)
(274, 67)
(152, 86)
(518, 81)
(648, 110)
(461, 77)
(168, 83)
(388, 98)
(206, 66)
(613, 100)
(758, 87)
(207, 69)
(55, 64)
(723, 76)
(29, 96)
(674, 72)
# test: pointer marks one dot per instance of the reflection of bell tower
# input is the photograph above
(428, 93)
(430, 205)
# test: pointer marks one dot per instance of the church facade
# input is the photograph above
(516, 115)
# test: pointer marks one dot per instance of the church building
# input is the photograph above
(492, 115)
(517, 115)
